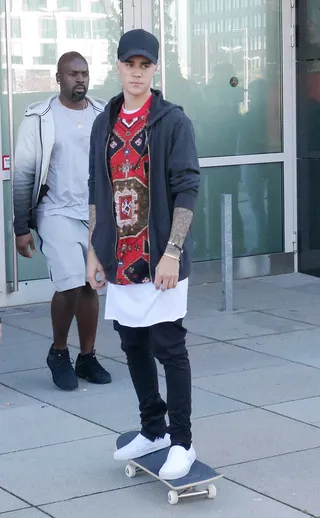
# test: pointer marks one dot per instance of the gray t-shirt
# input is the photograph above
(69, 164)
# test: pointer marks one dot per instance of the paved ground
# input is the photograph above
(256, 415)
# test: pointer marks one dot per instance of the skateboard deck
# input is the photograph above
(199, 475)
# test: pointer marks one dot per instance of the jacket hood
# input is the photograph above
(159, 108)
(42, 107)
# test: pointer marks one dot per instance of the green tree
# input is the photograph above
(113, 29)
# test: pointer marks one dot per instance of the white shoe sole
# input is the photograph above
(123, 455)
(176, 474)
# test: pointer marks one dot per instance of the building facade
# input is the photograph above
(232, 65)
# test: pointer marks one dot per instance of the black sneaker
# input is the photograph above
(63, 374)
(88, 368)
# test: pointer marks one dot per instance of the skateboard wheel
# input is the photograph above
(130, 471)
(173, 497)
(212, 491)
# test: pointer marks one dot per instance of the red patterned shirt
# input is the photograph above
(129, 170)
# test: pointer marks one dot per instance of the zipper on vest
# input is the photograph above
(111, 187)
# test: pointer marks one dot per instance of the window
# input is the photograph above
(48, 28)
(16, 28)
(69, 5)
(78, 29)
(99, 28)
(98, 6)
(257, 210)
(16, 57)
(48, 54)
(34, 5)
(208, 56)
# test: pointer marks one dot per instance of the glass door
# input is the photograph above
(229, 63)
(225, 62)
(38, 32)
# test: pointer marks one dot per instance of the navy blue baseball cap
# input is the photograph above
(138, 42)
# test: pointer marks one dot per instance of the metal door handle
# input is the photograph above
(15, 283)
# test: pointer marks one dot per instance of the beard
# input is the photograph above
(79, 96)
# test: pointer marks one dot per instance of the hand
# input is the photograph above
(93, 268)
(25, 245)
(167, 273)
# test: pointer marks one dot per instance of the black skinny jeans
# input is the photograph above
(166, 342)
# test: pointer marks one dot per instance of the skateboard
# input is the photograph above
(200, 475)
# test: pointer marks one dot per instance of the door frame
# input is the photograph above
(3, 285)
(290, 128)
(137, 14)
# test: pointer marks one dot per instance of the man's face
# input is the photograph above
(74, 79)
(136, 75)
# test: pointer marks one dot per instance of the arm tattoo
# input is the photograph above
(182, 219)
(92, 223)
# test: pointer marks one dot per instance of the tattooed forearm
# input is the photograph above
(182, 219)
(92, 223)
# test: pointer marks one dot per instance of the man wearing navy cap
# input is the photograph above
(143, 186)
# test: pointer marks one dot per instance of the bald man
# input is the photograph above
(51, 197)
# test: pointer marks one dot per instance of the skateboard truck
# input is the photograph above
(174, 496)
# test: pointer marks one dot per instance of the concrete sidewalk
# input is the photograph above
(256, 412)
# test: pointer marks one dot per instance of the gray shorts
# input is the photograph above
(64, 243)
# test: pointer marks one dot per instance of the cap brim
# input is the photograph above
(138, 52)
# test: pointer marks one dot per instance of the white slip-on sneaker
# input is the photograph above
(178, 463)
(141, 446)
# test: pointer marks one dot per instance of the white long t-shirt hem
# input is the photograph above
(142, 305)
